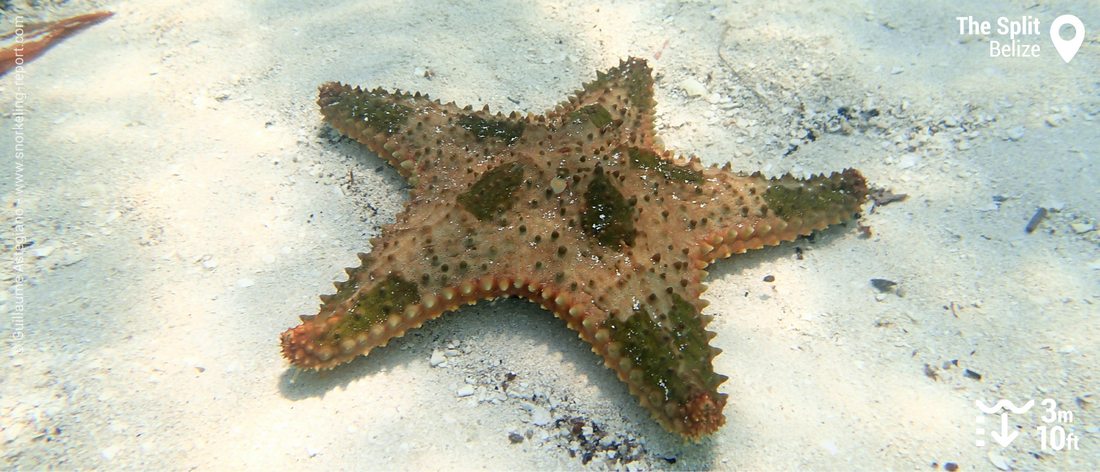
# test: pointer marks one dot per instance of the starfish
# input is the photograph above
(580, 210)
(34, 40)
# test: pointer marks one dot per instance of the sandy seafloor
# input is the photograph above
(186, 203)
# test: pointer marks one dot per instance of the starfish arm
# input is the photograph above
(417, 270)
(40, 37)
(661, 350)
(414, 133)
(619, 100)
(750, 211)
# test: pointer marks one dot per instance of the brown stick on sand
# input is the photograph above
(37, 38)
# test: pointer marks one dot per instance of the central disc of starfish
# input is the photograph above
(580, 210)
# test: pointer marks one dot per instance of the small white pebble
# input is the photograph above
(1082, 228)
(998, 460)
(907, 161)
(245, 282)
(44, 252)
(13, 430)
(110, 452)
(71, 257)
(693, 87)
(1016, 134)
(465, 391)
(540, 416)
(437, 358)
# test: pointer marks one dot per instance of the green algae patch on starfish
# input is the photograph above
(814, 196)
(482, 128)
(391, 296)
(607, 216)
(648, 160)
(492, 194)
(631, 77)
(639, 90)
(666, 349)
(379, 113)
(595, 113)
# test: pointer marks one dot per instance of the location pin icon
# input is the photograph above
(1067, 49)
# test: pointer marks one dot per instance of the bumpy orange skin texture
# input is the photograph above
(580, 210)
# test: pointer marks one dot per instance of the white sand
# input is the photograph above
(188, 203)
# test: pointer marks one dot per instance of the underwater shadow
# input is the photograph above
(298, 384)
(803, 246)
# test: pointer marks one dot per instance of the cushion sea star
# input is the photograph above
(580, 210)
(33, 40)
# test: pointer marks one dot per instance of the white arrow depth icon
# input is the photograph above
(1005, 436)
